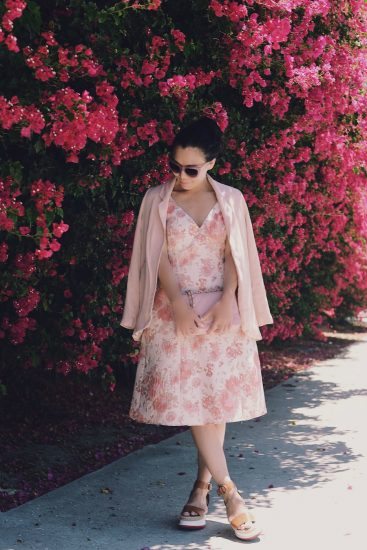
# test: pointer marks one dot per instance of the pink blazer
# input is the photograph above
(147, 247)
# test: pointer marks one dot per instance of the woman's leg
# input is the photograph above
(209, 442)
(198, 496)
(203, 471)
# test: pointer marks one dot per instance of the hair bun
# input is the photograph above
(203, 133)
(210, 123)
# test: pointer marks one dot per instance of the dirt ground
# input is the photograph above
(56, 429)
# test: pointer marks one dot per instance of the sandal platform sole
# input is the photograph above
(192, 524)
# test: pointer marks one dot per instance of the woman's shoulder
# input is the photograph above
(150, 191)
(155, 190)
(150, 194)
(229, 190)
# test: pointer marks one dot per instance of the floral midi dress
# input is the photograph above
(203, 378)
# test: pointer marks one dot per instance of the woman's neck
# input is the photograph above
(199, 188)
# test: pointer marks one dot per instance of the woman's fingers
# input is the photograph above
(207, 317)
(190, 324)
(219, 327)
(213, 327)
(187, 329)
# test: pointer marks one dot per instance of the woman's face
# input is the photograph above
(191, 157)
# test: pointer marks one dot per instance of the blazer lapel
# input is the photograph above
(224, 203)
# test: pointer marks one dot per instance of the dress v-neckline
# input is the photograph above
(191, 218)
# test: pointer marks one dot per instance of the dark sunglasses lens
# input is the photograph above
(174, 167)
(192, 172)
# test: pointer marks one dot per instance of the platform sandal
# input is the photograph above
(198, 521)
(251, 530)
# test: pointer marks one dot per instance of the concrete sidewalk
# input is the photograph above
(302, 468)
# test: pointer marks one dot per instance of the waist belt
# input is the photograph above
(191, 292)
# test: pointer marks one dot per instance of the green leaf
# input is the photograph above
(31, 18)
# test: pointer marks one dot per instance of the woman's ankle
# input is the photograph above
(225, 480)
(204, 480)
(226, 489)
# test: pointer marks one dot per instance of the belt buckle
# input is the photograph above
(189, 295)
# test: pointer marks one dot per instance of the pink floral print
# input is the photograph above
(197, 379)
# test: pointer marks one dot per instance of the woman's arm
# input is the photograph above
(167, 278)
(186, 320)
(220, 315)
(230, 281)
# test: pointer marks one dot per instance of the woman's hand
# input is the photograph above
(186, 320)
(220, 315)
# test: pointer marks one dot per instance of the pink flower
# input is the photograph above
(24, 230)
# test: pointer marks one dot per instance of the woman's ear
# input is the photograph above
(212, 163)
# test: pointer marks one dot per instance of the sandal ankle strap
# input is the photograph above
(202, 485)
(224, 488)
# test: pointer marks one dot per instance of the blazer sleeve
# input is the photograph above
(132, 296)
(260, 300)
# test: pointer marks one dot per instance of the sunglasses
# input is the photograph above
(190, 170)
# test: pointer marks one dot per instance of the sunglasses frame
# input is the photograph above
(184, 167)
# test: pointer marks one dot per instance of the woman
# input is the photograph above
(195, 299)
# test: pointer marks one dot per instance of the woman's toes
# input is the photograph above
(190, 513)
(244, 526)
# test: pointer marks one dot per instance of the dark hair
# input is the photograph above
(203, 133)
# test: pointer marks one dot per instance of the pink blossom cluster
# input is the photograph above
(217, 112)
(120, 228)
(134, 136)
(235, 11)
(46, 197)
(313, 206)
(15, 331)
(251, 52)
(159, 173)
(27, 117)
(296, 135)
(13, 10)
(21, 265)
(50, 60)
(76, 117)
(180, 87)
(27, 303)
(154, 66)
(143, 5)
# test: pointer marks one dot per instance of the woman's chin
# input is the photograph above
(184, 185)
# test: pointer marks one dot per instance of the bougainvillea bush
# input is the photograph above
(91, 95)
